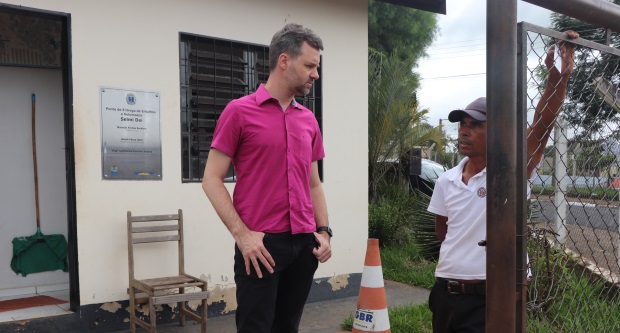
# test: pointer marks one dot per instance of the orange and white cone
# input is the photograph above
(372, 312)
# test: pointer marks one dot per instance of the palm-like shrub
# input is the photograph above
(396, 124)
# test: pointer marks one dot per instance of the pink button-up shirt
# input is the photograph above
(272, 152)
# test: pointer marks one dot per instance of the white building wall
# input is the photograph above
(135, 45)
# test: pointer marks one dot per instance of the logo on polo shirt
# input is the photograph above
(482, 192)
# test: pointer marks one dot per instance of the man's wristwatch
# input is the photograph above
(325, 228)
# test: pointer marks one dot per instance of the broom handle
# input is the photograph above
(34, 162)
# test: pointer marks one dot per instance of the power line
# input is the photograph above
(585, 28)
(432, 54)
(462, 41)
(537, 46)
(453, 76)
(456, 51)
(458, 56)
(455, 47)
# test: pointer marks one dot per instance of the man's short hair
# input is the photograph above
(289, 40)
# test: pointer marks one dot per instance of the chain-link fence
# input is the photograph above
(574, 207)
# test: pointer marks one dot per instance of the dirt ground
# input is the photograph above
(598, 246)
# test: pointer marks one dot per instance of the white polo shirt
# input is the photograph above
(465, 205)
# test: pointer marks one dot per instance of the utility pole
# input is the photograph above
(441, 124)
(443, 135)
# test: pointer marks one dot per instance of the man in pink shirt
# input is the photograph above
(278, 213)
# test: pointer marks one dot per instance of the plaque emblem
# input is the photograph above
(131, 99)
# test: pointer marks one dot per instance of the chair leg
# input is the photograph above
(181, 317)
(203, 312)
(182, 309)
(132, 310)
(203, 315)
(153, 316)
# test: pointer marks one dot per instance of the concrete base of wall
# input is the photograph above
(113, 316)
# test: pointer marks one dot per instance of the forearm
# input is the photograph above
(441, 227)
(547, 110)
(440, 234)
(250, 243)
(550, 103)
(323, 251)
(319, 206)
(222, 203)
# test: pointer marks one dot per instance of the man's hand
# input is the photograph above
(567, 51)
(324, 251)
(251, 246)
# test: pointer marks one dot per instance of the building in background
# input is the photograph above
(126, 96)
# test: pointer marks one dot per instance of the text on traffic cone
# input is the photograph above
(372, 313)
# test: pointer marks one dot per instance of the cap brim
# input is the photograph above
(457, 115)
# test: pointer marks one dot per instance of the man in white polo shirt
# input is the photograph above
(458, 299)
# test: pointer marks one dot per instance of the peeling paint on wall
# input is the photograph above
(144, 309)
(111, 307)
(194, 304)
(222, 293)
(339, 281)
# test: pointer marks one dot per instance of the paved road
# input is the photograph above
(595, 216)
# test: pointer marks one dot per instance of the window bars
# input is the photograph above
(214, 72)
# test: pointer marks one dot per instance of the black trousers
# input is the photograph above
(274, 304)
(452, 313)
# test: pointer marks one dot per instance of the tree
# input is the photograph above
(397, 39)
(392, 27)
(395, 122)
(588, 110)
(593, 160)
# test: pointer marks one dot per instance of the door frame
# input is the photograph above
(67, 92)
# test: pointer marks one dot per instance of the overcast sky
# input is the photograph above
(454, 73)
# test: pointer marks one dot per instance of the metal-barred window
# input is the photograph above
(213, 72)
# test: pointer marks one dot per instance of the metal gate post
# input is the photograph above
(503, 189)
(521, 200)
(599, 12)
(561, 176)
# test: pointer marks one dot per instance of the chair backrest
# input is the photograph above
(153, 229)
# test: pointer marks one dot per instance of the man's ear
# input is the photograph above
(284, 60)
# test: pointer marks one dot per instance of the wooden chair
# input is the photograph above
(162, 290)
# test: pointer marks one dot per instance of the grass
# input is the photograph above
(403, 263)
(580, 305)
(567, 298)
(562, 299)
(404, 319)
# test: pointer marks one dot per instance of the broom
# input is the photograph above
(38, 253)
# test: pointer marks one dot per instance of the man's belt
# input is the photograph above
(463, 287)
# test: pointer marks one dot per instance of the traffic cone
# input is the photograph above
(372, 312)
